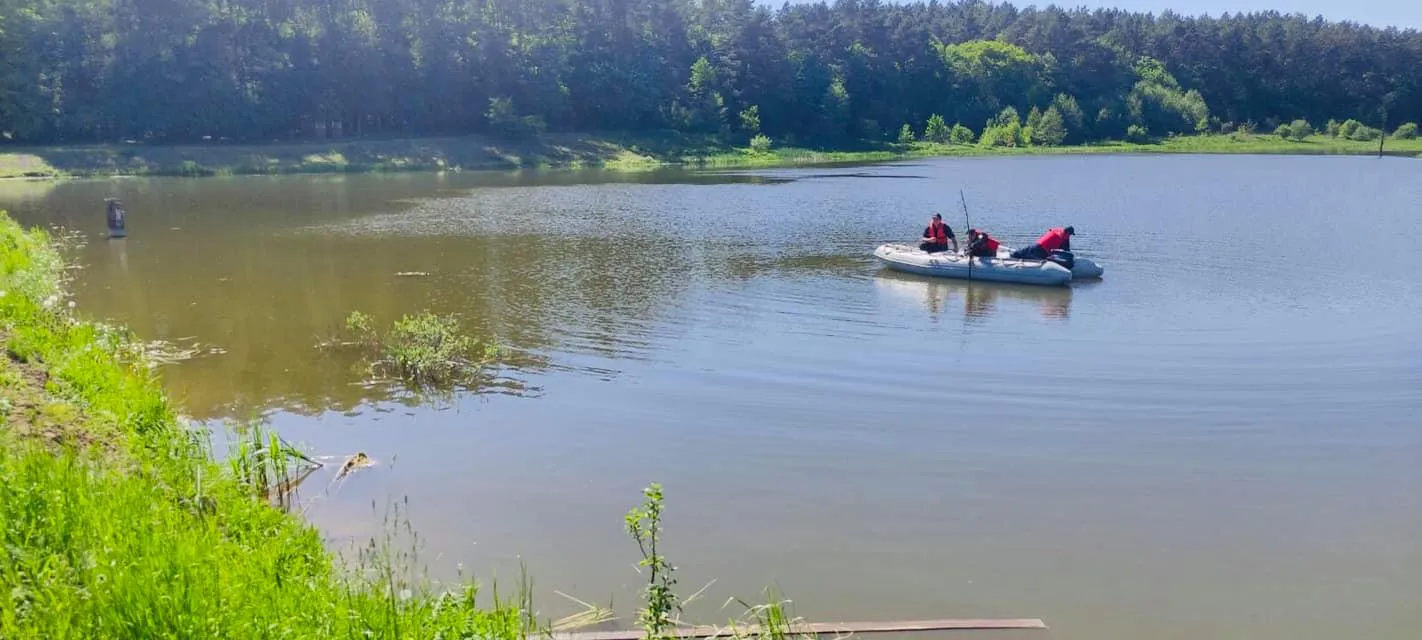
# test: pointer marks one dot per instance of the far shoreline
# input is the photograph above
(628, 152)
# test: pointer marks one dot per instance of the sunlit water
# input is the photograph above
(1220, 439)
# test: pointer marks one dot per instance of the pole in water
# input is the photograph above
(967, 221)
(116, 217)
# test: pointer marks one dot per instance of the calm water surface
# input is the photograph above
(1221, 439)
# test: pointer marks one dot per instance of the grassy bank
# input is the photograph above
(626, 151)
(117, 520)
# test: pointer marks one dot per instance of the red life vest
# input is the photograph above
(989, 242)
(1052, 240)
(938, 232)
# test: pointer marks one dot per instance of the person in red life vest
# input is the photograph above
(982, 245)
(937, 236)
(1052, 240)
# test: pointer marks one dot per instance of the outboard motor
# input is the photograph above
(1063, 258)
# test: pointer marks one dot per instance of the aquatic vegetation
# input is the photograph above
(425, 350)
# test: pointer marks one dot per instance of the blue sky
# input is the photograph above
(1382, 13)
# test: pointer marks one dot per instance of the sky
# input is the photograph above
(1380, 13)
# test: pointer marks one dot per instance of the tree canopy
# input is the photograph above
(262, 70)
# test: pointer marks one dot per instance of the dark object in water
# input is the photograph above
(1063, 258)
(117, 218)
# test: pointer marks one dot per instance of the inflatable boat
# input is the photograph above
(911, 259)
(1081, 268)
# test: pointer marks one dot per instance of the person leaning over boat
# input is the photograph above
(937, 236)
(982, 245)
(1050, 241)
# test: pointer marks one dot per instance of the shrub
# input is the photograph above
(504, 119)
(1332, 128)
(425, 350)
(1138, 134)
(906, 135)
(1300, 129)
(936, 130)
(1284, 131)
(962, 135)
(1364, 133)
(1348, 128)
(1005, 130)
(1406, 132)
(760, 143)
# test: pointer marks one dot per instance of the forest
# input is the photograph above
(169, 71)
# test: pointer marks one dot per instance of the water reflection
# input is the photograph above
(979, 300)
(267, 274)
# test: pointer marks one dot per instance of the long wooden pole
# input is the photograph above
(967, 232)
(817, 629)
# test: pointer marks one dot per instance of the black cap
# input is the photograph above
(1071, 231)
(937, 216)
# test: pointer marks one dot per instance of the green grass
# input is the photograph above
(620, 151)
(25, 165)
(117, 522)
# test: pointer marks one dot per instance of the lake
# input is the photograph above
(1220, 439)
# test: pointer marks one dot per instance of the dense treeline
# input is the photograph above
(180, 70)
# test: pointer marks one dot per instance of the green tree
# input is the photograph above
(708, 107)
(166, 71)
(985, 71)
(1407, 131)
(1300, 129)
(1157, 103)
(1072, 116)
(1004, 130)
(750, 120)
(906, 135)
(936, 130)
(962, 135)
(1051, 130)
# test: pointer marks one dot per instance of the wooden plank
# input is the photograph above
(821, 629)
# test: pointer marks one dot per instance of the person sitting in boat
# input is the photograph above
(1052, 240)
(937, 236)
(982, 245)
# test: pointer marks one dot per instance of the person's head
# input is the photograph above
(1071, 231)
(972, 233)
(938, 217)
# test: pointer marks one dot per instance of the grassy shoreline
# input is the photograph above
(118, 520)
(613, 151)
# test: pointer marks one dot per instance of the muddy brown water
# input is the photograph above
(1220, 439)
